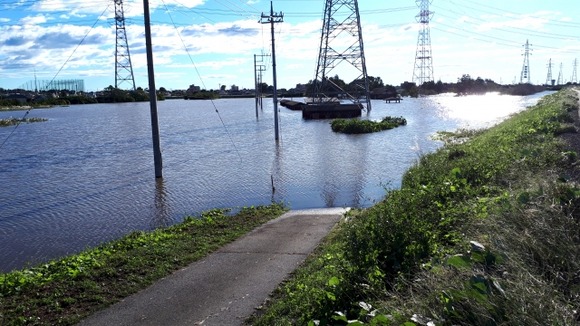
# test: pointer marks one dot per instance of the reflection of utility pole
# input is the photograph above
(258, 69)
(272, 19)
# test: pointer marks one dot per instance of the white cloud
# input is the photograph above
(33, 20)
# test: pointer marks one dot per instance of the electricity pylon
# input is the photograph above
(123, 66)
(423, 70)
(549, 80)
(525, 75)
(574, 78)
(560, 77)
(341, 44)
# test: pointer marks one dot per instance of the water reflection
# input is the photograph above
(86, 175)
(161, 214)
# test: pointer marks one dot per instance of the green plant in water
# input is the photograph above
(357, 126)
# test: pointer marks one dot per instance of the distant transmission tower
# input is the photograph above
(525, 75)
(341, 42)
(549, 80)
(423, 71)
(123, 66)
(560, 78)
(574, 78)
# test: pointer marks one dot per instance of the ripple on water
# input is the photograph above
(86, 175)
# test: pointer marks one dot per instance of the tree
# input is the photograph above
(409, 89)
(375, 82)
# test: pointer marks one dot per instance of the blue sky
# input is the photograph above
(213, 42)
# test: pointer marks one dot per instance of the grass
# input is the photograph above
(357, 126)
(62, 292)
(14, 121)
(485, 231)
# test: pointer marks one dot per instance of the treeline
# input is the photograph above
(63, 97)
(116, 95)
(465, 85)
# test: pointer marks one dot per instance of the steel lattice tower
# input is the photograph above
(341, 42)
(549, 76)
(525, 75)
(123, 66)
(560, 77)
(574, 78)
(423, 71)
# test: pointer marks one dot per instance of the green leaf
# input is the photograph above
(333, 281)
(458, 261)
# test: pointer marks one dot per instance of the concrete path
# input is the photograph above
(226, 287)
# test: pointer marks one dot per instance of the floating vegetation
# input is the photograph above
(14, 121)
(355, 126)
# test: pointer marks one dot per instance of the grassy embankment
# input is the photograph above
(486, 231)
(64, 291)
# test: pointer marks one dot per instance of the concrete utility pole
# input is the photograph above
(258, 69)
(152, 93)
(272, 19)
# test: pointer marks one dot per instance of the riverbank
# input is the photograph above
(65, 291)
(53, 301)
(485, 231)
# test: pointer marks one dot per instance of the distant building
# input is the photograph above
(234, 88)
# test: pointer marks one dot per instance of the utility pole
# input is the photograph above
(272, 19)
(549, 80)
(423, 71)
(259, 67)
(525, 75)
(123, 66)
(152, 93)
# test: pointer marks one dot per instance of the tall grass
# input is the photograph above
(482, 232)
(63, 291)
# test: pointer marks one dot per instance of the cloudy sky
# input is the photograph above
(213, 42)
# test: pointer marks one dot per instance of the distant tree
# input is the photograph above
(375, 82)
(409, 89)
(223, 88)
(162, 89)
(337, 82)
(263, 87)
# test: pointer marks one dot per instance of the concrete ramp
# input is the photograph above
(225, 287)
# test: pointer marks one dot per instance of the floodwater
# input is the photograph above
(86, 175)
